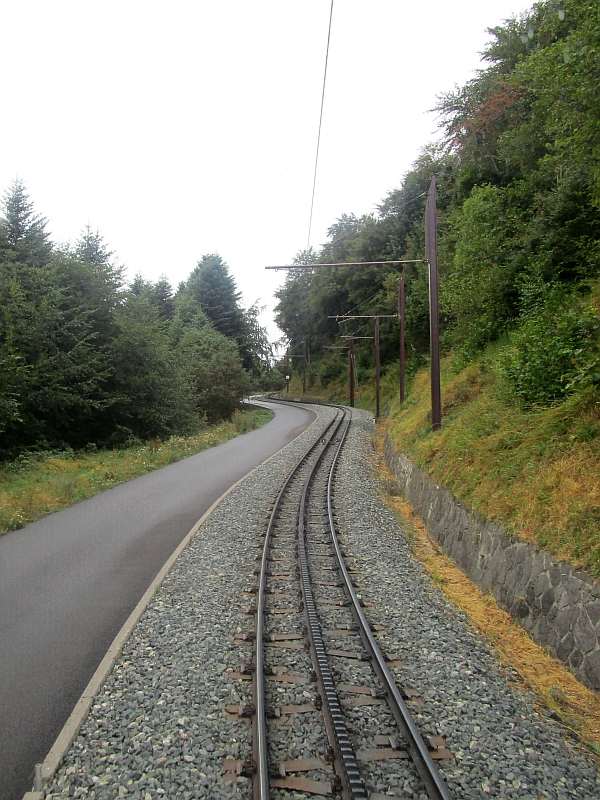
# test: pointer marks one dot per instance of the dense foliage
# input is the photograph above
(518, 175)
(86, 360)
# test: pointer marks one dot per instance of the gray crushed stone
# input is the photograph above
(159, 728)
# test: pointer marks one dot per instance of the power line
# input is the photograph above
(408, 202)
(312, 202)
(364, 302)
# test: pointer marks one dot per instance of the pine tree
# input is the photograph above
(159, 294)
(162, 296)
(92, 248)
(107, 275)
(214, 289)
(25, 230)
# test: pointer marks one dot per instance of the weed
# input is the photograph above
(390, 486)
(559, 696)
(436, 577)
(244, 421)
(587, 432)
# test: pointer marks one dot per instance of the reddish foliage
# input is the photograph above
(490, 118)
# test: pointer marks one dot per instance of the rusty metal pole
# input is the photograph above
(401, 305)
(304, 366)
(351, 354)
(434, 313)
(377, 367)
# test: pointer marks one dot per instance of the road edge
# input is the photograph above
(71, 728)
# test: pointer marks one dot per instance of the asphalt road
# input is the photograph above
(69, 581)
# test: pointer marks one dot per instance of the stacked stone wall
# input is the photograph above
(557, 605)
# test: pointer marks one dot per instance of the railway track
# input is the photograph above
(174, 717)
(328, 718)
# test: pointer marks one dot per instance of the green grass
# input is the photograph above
(39, 484)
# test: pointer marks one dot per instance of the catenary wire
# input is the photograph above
(312, 202)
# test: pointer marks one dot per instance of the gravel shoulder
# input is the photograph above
(159, 727)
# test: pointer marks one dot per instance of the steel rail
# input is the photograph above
(331, 704)
(261, 757)
(430, 775)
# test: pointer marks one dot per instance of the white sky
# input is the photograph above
(185, 128)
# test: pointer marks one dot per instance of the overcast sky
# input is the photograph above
(184, 128)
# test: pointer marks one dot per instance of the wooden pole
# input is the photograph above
(377, 367)
(401, 306)
(351, 354)
(434, 313)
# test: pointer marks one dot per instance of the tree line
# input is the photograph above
(87, 361)
(518, 174)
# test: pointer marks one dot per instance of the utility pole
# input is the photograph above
(376, 317)
(351, 354)
(434, 314)
(401, 306)
(377, 368)
(352, 339)
(288, 376)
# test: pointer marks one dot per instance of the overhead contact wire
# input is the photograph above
(312, 202)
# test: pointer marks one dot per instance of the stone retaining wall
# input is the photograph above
(558, 606)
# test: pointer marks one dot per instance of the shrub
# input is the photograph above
(553, 352)
(331, 371)
(219, 382)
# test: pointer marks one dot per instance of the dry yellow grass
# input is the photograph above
(577, 707)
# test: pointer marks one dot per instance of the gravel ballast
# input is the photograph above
(159, 727)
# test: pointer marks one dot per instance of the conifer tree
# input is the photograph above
(25, 230)
(214, 289)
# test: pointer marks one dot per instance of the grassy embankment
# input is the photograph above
(40, 484)
(536, 471)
